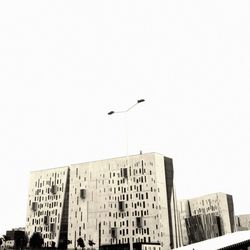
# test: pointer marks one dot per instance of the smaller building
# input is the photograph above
(242, 222)
(206, 217)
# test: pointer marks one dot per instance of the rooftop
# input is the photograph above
(103, 160)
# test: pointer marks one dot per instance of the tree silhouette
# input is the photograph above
(1, 242)
(80, 243)
(91, 243)
(5, 238)
(36, 240)
(20, 240)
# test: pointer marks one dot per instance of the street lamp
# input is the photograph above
(130, 212)
(124, 111)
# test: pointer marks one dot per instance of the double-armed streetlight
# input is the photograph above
(124, 111)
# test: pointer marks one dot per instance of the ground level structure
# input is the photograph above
(233, 241)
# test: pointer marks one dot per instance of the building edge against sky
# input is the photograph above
(109, 202)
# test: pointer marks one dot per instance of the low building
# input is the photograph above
(206, 217)
(10, 236)
(242, 222)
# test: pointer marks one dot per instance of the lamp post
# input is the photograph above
(126, 111)
(130, 212)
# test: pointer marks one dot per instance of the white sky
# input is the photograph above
(64, 65)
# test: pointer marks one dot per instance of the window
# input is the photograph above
(52, 227)
(34, 206)
(53, 189)
(82, 193)
(121, 205)
(46, 220)
(139, 222)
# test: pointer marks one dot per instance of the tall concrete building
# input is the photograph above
(206, 217)
(113, 203)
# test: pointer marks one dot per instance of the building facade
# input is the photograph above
(184, 212)
(47, 205)
(206, 217)
(114, 203)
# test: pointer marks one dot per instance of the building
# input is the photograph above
(112, 203)
(206, 217)
(11, 235)
(242, 222)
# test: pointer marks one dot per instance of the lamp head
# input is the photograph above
(141, 100)
(111, 112)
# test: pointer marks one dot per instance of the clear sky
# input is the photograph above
(65, 64)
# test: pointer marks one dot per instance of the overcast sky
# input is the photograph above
(64, 65)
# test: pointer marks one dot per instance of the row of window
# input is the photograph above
(35, 205)
(123, 171)
(46, 198)
(51, 228)
(46, 220)
(48, 182)
(126, 240)
(204, 210)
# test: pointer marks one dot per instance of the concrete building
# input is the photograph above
(242, 222)
(113, 203)
(206, 217)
